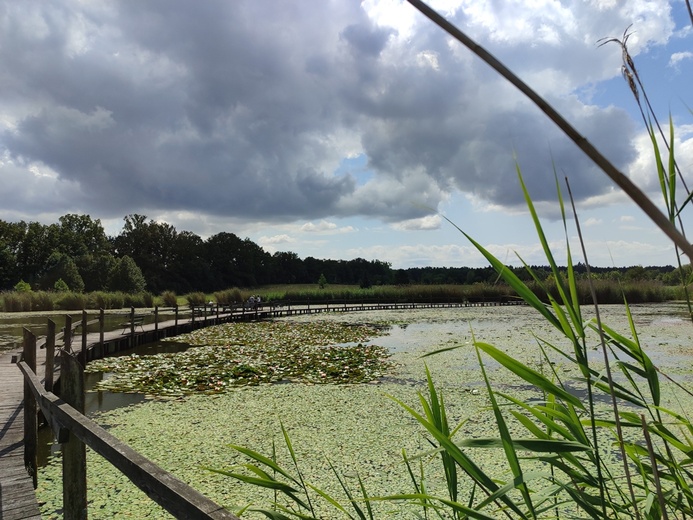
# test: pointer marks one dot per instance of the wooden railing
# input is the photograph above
(75, 431)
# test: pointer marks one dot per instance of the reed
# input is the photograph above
(567, 457)
(196, 298)
(169, 299)
(71, 301)
(43, 301)
(16, 301)
(229, 296)
(107, 300)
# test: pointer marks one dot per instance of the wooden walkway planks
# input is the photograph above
(17, 497)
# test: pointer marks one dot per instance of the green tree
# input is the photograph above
(11, 236)
(287, 267)
(60, 266)
(636, 273)
(22, 286)
(150, 244)
(126, 276)
(322, 281)
(61, 286)
(80, 235)
(36, 246)
(236, 262)
(401, 277)
(95, 269)
(189, 270)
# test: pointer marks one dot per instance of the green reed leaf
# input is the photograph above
(528, 374)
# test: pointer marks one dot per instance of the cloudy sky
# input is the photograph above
(338, 129)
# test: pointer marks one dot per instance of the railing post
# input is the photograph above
(30, 416)
(50, 356)
(74, 450)
(83, 353)
(132, 327)
(67, 337)
(156, 322)
(102, 331)
(176, 318)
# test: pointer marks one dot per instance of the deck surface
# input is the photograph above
(17, 497)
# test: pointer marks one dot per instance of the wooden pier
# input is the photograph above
(17, 498)
(17, 473)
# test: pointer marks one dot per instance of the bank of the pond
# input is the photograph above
(359, 428)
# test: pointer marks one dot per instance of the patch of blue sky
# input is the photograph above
(357, 167)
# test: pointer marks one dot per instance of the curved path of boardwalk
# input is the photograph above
(17, 497)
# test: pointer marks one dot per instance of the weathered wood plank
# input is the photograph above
(74, 451)
(30, 412)
(17, 497)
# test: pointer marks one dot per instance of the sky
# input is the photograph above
(341, 129)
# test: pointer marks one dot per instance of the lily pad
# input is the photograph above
(240, 354)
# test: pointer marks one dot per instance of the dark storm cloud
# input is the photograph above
(246, 109)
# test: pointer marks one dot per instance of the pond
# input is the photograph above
(405, 332)
(359, 427)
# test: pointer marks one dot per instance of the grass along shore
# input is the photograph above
(608, 291)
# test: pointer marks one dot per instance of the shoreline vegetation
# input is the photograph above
(607, 291)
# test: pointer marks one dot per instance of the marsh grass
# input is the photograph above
(27, 301)
(14, 301)
(609, 291)
(169, 299)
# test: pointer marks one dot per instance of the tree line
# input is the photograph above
(76, 254)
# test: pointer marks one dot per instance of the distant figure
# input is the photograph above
(251, 302)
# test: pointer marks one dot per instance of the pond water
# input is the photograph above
(349, 421)
(663, 329)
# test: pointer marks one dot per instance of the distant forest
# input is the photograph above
(76, 254)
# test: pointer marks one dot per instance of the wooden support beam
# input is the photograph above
(74, 450)
(30, 410)
(50, 356)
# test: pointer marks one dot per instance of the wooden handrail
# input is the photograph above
(169, 492)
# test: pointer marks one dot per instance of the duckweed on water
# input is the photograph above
(241, 354)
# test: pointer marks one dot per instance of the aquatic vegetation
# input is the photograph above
(241, 354)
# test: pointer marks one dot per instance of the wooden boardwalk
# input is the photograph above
(17, 497)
